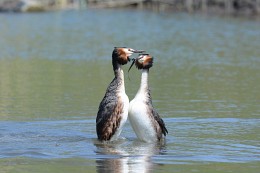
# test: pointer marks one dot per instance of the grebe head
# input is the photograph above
(143, 61)
(122, 54)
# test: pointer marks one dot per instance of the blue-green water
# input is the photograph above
(55, 67)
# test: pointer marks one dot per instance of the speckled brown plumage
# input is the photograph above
(157, 122)
(110, 109)
(106, 127)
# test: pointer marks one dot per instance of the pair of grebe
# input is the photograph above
(115, 108)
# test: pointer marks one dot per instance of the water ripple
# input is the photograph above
(189, 140)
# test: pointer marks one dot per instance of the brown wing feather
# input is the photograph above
(158, 122)
(108, 125)
(109, 113)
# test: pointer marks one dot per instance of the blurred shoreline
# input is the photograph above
(223, 7)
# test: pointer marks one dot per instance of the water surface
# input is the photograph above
(55, 67)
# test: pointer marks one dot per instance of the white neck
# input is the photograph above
(144, 81)
(120, 75)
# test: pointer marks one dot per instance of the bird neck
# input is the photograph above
(144, 81)
(119, 77)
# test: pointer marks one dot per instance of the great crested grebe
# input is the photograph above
(113, 109)
(146, 122)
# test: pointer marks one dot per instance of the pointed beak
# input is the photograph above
(138, 51)
(135, 51)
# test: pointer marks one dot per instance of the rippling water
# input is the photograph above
(55, 67)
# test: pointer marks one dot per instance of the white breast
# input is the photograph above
(126, 107)
(124, 115)
(141, 121)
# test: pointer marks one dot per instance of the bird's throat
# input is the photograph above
(144, 82)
